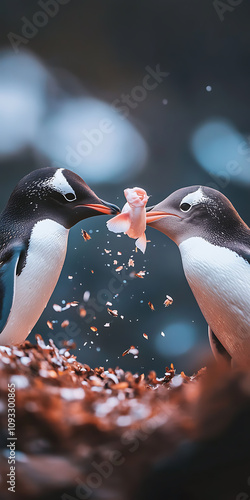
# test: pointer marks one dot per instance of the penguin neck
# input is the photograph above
(18, 222)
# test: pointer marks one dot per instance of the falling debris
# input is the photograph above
(115, 262)
(112, 312)
(145, 336)
(50, 325)
(85, 235)
(107, 325)
(131, 263)
(86, 296)
(57, 308)
(162, 334)
(93, 328)
(65, 323)
(132, 350)
(169, 301)
(141, 274)
(92, 271)
(109, 304)
(107, 251)
(119, 253)
(151, 306)
(118, 269)
(70, 277)
(82, 311)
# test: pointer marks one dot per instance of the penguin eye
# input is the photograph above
(185, 207)
(70, 196)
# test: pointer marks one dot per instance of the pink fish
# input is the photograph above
(132, 220)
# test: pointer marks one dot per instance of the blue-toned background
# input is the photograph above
(172, 79)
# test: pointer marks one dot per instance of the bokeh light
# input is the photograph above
(93, 139)
(222, 151)
(180, 338)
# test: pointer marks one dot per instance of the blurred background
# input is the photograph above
(170, 81)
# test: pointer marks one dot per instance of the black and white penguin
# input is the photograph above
(34, 231)
(214, 243)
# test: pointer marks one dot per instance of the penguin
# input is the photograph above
(214, 243)
(34, 230)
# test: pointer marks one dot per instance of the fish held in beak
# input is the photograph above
(132, 220)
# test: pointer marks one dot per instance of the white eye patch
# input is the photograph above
(59, 183)
(194, 198)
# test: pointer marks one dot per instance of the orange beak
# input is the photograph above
(157, 215)
(103, 209)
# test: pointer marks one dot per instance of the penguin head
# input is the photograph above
(195, 211)
(58, 194)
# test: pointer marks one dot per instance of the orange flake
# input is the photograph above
(74, 303)
(82, 312)
(113, 312)
(141, 274)
(65, 323)
(85, 235)
(145, 336)
(93, 328)
(92, 271)
(131, 263)
(169, 301)
(151, 306)
(118, 269)
(131, 350)
(115, 262)
(50, 325)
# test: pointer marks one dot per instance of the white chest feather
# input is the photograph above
(34, 286)
(220, 281)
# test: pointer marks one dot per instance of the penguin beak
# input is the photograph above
(154, 215)
(104, 208)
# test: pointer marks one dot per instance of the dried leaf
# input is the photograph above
(118, 269)
(169, 301)
(65, 323)
(57, 308)
(131, 350)
(113, 312)
(151, 306)
(141, 274)
(82, 312)
(85, 235)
